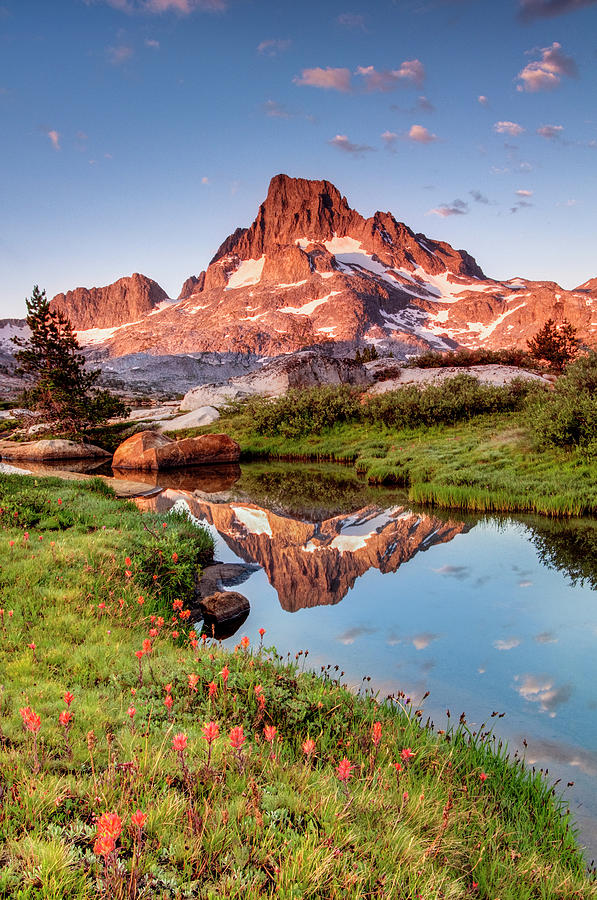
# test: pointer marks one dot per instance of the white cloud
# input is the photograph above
(523, 193)
(342, 143)
(154, 45)
(482, 99)
(550, 131)
(411, 70)
(546, 73)
(328, 79)
(273, 46)
(55, 138)
(508, 644)
(420, 135)
(511, 128)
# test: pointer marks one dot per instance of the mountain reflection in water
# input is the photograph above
(316, 563)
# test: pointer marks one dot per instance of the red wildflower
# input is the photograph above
(31, 720)
(211, 731)
(344, 769)
(175, 634)
(138, 819)
(164, 525)
(185, 614)
(258, 690)
(65, 717)
(270, 732)
(109, 824)
(31, 646)
(376, 734)
(177, 604)
(237, 738)
(131, 712)
(261, 632)
(179, 742)
(159, 622)
(168, 702)
(308, 746)
(397, 768)
(483, 776)
(153, 632)
(104, 845)
(244, 642)
(193, 681)
(213, 689)
(225, 673)
(59, 501)
(127, 561)
(127, 573)
(175, 557)
(140, 600)
(407, 754)
(139, 654)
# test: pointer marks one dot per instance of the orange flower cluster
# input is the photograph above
(31, 720)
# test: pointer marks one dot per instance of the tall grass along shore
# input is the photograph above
(460, 444)
(141, 759)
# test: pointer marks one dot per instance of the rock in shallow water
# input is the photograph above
(223, 606)
(152, 450)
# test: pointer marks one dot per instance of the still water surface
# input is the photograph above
(489, 614)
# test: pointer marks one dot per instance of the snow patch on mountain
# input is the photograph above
(248, 272)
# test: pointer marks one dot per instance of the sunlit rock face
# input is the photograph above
(313, 564)
(311, 270)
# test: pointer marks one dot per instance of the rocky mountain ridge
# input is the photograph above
(311, 270)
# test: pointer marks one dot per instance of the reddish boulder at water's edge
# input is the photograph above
(152, 450)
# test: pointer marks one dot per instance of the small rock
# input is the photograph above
(222, 606)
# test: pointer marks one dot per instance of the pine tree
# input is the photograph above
(61, 390)
(556, 344)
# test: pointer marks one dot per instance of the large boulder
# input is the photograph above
(50, 449)
(152, 450)
(304, 369)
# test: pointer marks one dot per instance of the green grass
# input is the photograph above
(266, 822)
(487, 463)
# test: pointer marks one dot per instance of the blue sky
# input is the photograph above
(137, 134)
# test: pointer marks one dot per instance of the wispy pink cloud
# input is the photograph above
(341, 142)
(542, 9)
(273, 46)
(456, 208)
(351, 20)
(328, 78)
(411, 70)
(420, 135)
(550, 131)
(511, 128)
(182, 7)
(546, 73)
(389, 139)
(119, 54)
(523, 192)
(54, 138)
(482, 99)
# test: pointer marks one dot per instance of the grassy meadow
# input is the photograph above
(138, 759)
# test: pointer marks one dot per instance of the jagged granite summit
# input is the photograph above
(311, 270)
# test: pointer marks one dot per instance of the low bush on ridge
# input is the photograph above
(568, 416)
(477, 357)
(311, 411)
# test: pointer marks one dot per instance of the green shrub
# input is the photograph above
(568, 416)
(513, 356)
(310, 411)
